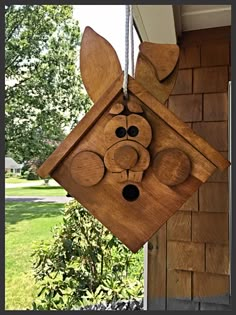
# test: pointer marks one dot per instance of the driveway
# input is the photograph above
(31, 184)
(61, 199)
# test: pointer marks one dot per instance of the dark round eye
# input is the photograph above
(130, 193)
(120, 132)
(133, 131)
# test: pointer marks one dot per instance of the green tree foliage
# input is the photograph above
(44, 93)
(84, 264)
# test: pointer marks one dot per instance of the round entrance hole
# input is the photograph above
(130, 193)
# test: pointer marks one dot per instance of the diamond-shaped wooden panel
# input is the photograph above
(131, 164)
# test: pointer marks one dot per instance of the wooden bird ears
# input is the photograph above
(100, 66)
(163, 57)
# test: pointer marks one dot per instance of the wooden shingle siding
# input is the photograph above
(191, 204)
(213, 197)
(215, 107)
(210, 80)
(215, 54)
(187, 107)
(189, 57)
(213, 132)
(157, 257)
(183, 83)
(217, 259)
(214, 307)
(220, 176)
(185, 256)
(197, 263)
(179, 284)
(210, 227)
(179, 226)
(210, 287)
(179, 305)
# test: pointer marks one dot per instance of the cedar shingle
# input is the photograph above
(210, 79)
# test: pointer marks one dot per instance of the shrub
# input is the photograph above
(9, 174)
(31, 175)
(84, 264)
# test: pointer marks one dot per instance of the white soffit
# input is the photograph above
(155, 23)
(195, 17)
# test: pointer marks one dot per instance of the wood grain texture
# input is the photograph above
(164, 137)
(145, 75)
(163, 57)
(183, 83)
(219, 176)
(191, 204)
(215, 106)
(214, 286)
(134, 107)
(132, 222)
(215, 54)
(204, 36)
(189, 57)
(210, 228)
(185, 256)
(171, 167)
(87, 168)
(179, 285)
(144, 135)
(81, 129)
(126, 157)
(214, 197)
(187, 107)
(97, 58)
(217, 259)
(215, 133)
(116, 109)
(115, 130)
(157, 266)
(120, 177)
(179, 227)
(214, 156)
(135, 176)
(210, 80)
(142, 162)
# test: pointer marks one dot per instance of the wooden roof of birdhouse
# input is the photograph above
(154, 105)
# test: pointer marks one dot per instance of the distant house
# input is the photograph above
(12, 166)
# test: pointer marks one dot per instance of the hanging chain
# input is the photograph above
(128, 33)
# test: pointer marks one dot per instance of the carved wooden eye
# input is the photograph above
(120, 132)
(133, 131)
(115, 130)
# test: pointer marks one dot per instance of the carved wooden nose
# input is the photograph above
(126, 157)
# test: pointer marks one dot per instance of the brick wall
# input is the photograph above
(189, 255)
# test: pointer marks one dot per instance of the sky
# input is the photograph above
(109, 22)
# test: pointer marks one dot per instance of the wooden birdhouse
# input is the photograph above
(132, 163)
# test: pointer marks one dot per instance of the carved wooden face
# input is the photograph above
(131, 164)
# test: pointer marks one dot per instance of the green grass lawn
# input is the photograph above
(17, 180)
(37, 191)
(26, 222)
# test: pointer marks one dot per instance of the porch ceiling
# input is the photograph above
(163, 23)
